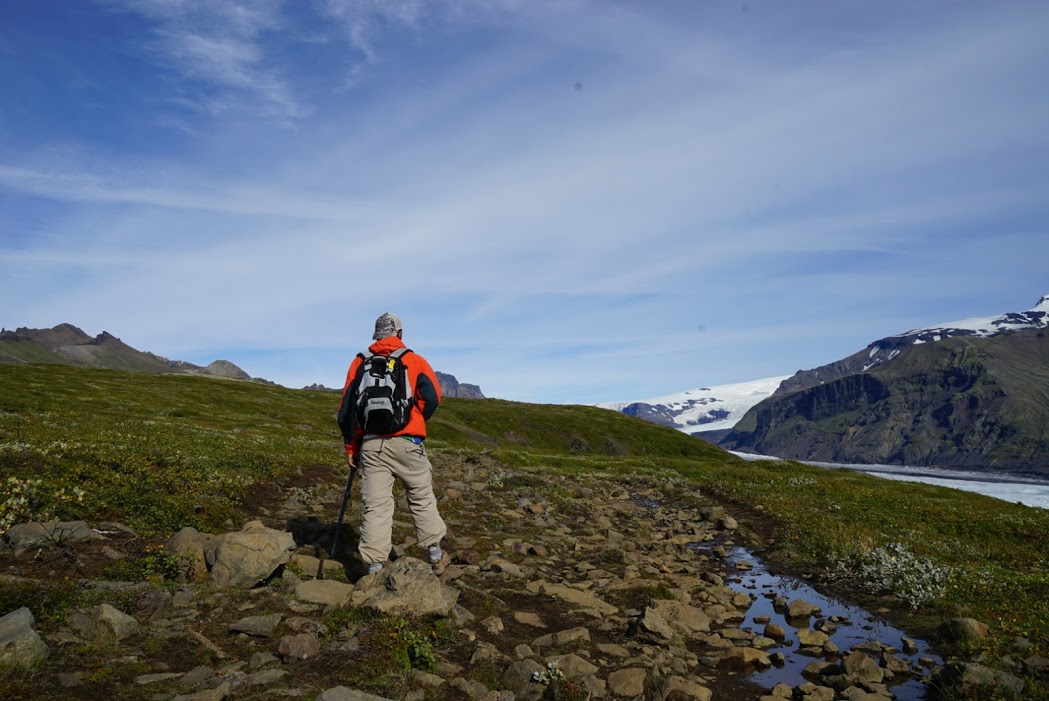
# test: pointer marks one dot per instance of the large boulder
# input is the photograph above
(20, 646)
(245, 558)
(407, 586)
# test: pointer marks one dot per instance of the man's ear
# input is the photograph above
(400, 334)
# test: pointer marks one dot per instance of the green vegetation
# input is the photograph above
(159, 452)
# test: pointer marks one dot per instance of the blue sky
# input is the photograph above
(572, 201)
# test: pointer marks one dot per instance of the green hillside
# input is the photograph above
(160, 452)
(22, 350)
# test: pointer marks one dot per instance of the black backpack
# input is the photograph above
(380, 397)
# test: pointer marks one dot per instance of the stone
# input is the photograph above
(727, 523)
(628, 682)
(189, 544)
(801, 609)
(102, 623)
(519, 678)
(529, 619)
(578, 598)
(966, 678)
(342, 693)
(245, 558)
(20, 645)
(38, 535)
(493, 624)
(220, 693)
(653, 627)
(687, 619)
(300, 646)
(572, 665)
(860, 668)
(327, 592)
(962, 629)
(744, 658)
(563, 637)
(613, 650)
(407, 586)
(256, 625)
(814, 638)
(682, 689)
(775, 632)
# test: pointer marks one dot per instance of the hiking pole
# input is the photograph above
(342, 511)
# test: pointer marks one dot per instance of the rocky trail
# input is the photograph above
(560, 588)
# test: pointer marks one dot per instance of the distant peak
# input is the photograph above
(1043, 302)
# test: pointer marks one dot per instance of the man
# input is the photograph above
(398, 454)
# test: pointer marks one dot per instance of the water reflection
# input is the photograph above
(846, 626)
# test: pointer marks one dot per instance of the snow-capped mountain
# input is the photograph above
(980, 327)
(886, 349)
(701, 410)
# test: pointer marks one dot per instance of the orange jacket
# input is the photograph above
(421, 378)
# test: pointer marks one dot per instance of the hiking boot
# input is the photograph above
(438, 559)
(374, 567)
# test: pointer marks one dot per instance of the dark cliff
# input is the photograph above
(961, 402)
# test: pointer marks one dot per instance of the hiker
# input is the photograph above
(390, 393)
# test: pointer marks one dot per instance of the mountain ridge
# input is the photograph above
(66, 344)
(971, 394)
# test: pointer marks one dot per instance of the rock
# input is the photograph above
(529, 619)
(727, 523)
(582, 599)
(744, 658)
(256, 625)
(687, 619)
(860, 668)
(342, 693)
(20, 645)
(1036, 666)
(682, 689)
(327, 592)
(563, 637)
(801, 609)
(628, 681)
(775, 632)
(653, 627)
(519, 678)
(909, 646)
(245, 558)
(813, 638)
(219, 693)
(190, 545)
(102, 623)
(966, 678)
(493, 624)
(962, 629)
(299, 647)
(38, 535)
(407, 586)
(572, 666)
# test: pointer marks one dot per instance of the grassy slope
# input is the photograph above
(159, 452)
(25, 351)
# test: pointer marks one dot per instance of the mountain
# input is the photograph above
(971, 393)
(451, 387)
(66, 344)
(706, 412)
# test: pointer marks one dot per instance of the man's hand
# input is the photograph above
(353, 460)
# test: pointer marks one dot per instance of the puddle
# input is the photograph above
(854, 625)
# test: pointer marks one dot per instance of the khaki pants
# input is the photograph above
(382, 461)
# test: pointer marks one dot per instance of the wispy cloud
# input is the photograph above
(582, 185)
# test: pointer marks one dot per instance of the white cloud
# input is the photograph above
(789, 193)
